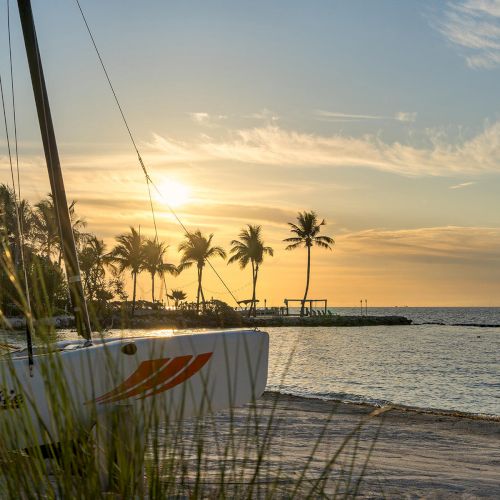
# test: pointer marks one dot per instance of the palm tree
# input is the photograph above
(154, 253)
(46, 227)
(197, 248)
(93, 260)
(129, 254)
(250, 248)
(306, 231)
(9, 212)
(177, 296)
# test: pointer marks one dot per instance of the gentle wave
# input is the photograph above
(425, 366)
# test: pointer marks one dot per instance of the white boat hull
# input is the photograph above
(171, 376)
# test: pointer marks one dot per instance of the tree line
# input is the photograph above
(35, 240)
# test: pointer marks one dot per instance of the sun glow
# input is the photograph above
(173, 193)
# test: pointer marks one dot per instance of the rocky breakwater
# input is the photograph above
(335, 320)
(19, 322)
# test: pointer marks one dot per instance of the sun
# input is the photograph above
(173, 193)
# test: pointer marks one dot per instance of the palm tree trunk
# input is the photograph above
(199, 290)
(307, 280)
(153, 287)
(133, 293)
(254, 296)
(250, 309)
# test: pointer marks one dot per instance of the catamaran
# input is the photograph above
(179, 375)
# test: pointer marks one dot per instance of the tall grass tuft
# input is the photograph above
(139, 452)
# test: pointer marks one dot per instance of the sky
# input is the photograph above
(382, 116)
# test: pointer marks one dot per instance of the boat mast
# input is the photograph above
(55, 174)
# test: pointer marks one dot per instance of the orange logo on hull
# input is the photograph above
(156, 376)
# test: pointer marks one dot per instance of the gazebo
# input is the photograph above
(309, 304)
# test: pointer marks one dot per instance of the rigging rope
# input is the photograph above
(17, 196)
(149, 181)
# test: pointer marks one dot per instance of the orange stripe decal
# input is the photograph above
(169, 371)
(187, 373)
(145, 370)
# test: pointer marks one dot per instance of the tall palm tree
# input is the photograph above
(196, 249)
(129, 254)
(250, 248)
(154, 253)
(9, 229)
(307, 230)
(177, 296)
(94, 259)
(46, 227)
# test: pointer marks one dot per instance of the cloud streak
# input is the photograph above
(473, 27)
(334, 116)
(462, 185)
(273, 145)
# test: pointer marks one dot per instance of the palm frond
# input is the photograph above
(293, 246)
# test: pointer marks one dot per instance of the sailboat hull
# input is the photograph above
(166, 376)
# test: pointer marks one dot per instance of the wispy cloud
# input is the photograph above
(273, 145)
(265, 115)
(199, 117)
(450, 244)
(405, 116)
(462, 185)
(473, 26)
(335, 116)
(206, 119)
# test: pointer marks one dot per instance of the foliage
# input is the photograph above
(177, 296)
(154, 253)
(93, 262)
(197, 249)
(250, 248)
(128, 254)
(45, 279)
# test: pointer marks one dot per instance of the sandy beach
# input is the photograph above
(413, 453)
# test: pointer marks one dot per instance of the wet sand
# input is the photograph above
(411, 453)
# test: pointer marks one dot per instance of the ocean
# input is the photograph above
(436, 363)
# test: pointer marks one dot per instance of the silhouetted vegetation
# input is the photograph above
(196, 249)
(104, 271)
(250, 248)
(177, 296)
(306, 232)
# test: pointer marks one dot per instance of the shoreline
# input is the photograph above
(391, 407)
(396, 453)
(178, 320)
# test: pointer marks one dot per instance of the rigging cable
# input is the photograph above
(17, 197)
(149, 181)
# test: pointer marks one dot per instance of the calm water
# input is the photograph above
(428, 366)
(479, 316)
(424, 365)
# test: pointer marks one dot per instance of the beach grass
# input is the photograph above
(236, 453)
(139, 451)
